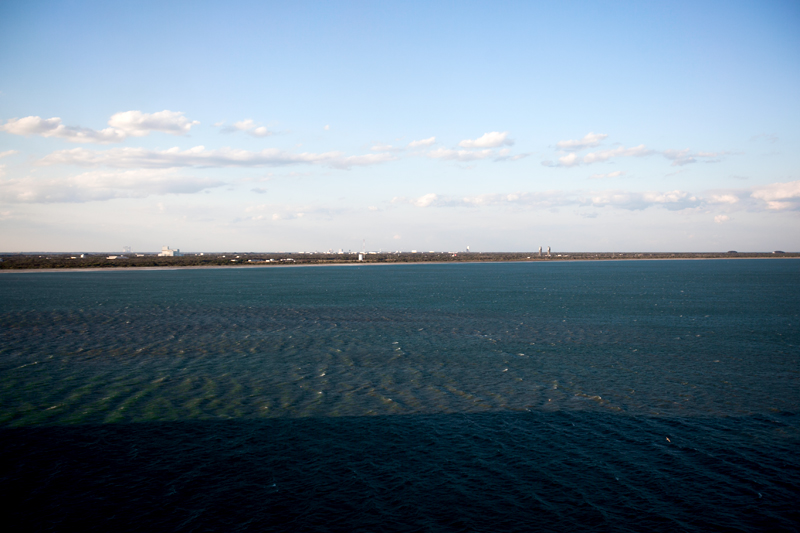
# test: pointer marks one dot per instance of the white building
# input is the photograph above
(166, 252)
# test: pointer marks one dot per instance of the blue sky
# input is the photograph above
(605, 126)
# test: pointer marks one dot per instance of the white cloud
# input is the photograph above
(605, 155)
(678, 157)
(571, 160)
(488, 140)
(465, 156)
(327, 127)
(7, 153)
(200, 157)
(423, 201)
(775, 197)
(122, 125)
(386, 148)
(102, 185)
(719, 219)
(505, 155)
(52, 127)
(282, 216)
(426, 200)
(615, 174)
(460, 155)
(686, 156)
(290, 212)
(244, 125)
(360, 160)
(249, 127)
(541, 199)
(590, 140)
(724, 199)
(138, 124)
(779, 196)
(672, 200)
(422, 143)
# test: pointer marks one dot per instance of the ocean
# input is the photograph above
(579, 396)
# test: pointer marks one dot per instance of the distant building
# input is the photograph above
(166, 252)
(540, 250)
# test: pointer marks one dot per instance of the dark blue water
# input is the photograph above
(648, 395)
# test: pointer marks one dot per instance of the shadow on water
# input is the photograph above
(477, 472)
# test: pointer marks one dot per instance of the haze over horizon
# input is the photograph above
(607, 126)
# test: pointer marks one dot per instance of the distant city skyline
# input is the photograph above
(605, 126)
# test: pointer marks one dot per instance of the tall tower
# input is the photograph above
(540, 250)
(548, 251)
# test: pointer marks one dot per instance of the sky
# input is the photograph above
(309, 126)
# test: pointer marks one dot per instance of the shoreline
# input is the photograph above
(379, 263)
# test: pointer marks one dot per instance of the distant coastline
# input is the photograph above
(95, 262)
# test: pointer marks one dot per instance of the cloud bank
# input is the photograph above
(682, 157)
(573, 160)
(276, 213)
(488, 140)
(249, 127)
(775, 197)
(590, 140)
(121, 126)
(779, 196)
(200, 157)
(634, 201)
(102, 185)
(615, 174)
(422, 143)
(460, 155)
